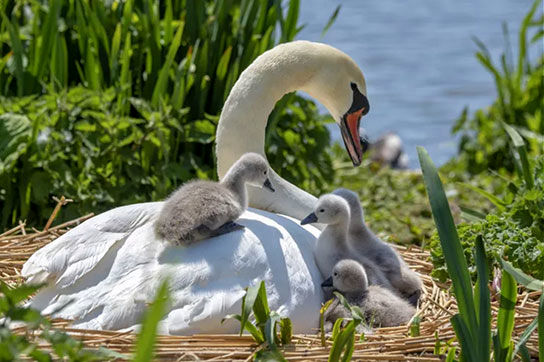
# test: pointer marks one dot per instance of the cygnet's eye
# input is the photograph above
(335, 274)
(265, 172)
(322, 210)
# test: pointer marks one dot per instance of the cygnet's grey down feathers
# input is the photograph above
(195, 210)
(365, 243)
(202, 209)
(380, 307)
(332, 244)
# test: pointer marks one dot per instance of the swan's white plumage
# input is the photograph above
(207, 279)
(106, 270)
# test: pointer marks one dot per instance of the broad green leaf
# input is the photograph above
(449, 240)
(541, 328)
(505, 317)
(519, 145)
(526, 280)
(499, 204)
(15, 134)
(484, 303)
(247, 304)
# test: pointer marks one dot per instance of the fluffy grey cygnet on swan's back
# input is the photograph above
(365, 243)
(201, 209)
(332, 244)
(380, 307)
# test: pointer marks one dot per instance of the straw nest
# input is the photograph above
(388, 344)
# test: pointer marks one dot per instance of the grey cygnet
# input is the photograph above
(202, 209)
(332, 244)
(380, 306)
(364, 242)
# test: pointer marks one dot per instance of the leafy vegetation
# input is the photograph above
(132, 111)
(472, 324)
(16, 346)
(514, 230)
(520, 102)
(264, 329)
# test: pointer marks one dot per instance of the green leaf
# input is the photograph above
(331, 21)
(449, 240)
(541, 328)
(160, 87)
(145, 343)
(492, 198)
(505, 317)
(519, 145)
(526, 280)
(15, 133)
(260, 307)
(525, 336)
(469, 350)
(270, 328)
(484, 303)
(247, 305)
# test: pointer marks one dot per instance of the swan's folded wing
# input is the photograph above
(65, 260)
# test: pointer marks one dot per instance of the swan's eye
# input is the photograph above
(265, 172)
(335, 274)
(322, 210)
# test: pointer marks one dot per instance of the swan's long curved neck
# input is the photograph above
(243, 122)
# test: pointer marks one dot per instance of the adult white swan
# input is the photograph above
(105, 271)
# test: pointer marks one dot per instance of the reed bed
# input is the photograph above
(385, 344)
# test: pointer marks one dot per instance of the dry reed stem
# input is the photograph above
(385, 344)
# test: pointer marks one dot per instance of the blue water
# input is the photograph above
(418, 60)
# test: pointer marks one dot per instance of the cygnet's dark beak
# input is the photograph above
(268, 185)
(309, 219)
(327, 283)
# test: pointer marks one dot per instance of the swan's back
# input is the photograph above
(110, 285)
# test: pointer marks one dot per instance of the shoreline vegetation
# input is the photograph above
(117, 104)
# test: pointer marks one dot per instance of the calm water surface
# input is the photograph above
(418, 60)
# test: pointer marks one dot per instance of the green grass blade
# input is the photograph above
(18, 53)
(505, 317)
(160, 87)
(484, 303)
(255, 333)
(270, 329)
(147, 336)
(291, 20)
(449, 240)
(522, 42)
(541, 328)
(247, 305)
(526, 280)
(519, 145)
(341, 341)
(525, 336)
(499, 204)
(260, 307)
(331, 21)
(468, 348)
(322, 320)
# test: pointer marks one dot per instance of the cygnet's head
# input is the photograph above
(254, 170)
(351, 197)
(330, 209)
(348, 276)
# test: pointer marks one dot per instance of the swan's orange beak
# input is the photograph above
(349, 126)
